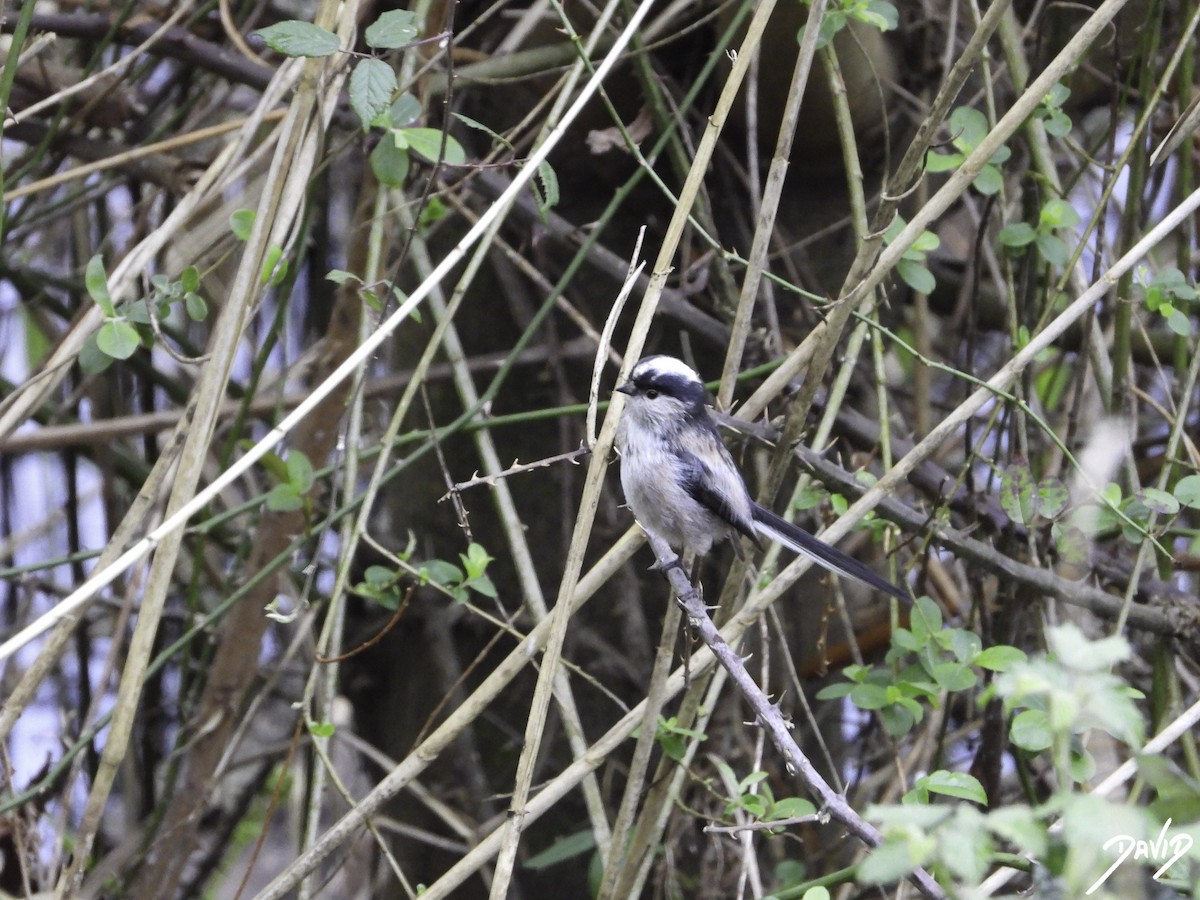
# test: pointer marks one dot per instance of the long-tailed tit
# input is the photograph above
(682, 484)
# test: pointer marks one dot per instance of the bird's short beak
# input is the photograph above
(626, 388)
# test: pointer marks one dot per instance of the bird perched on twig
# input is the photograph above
(681, 482)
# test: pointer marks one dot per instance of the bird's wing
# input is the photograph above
(719, 493)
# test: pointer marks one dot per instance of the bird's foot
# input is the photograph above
(674, 563)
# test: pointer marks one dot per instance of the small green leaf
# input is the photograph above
(118, 339)
(427, 142)
(955, 784)
(92, 359)
(96, 282)
(869, 696)
(479, 126)
(241, 223)
(550, 193)
(284, 498)
(916, 276)
(300, 471)
(1187, 491)
(274, 268)
(968, 127)
(441, 572)
(1031, 730)
(379, 576)
(393, 29)
(389, 163)
(404, 110)
(371, 86)
(1058, 214)
(1017, 495)
(341, 276)
(296, 38)
(893, 859)
(989, 181)
(1057, 124)
(1179, 323)
(196, 307)
(835, 691)
(943, 162)
(792, 808)
(1159, 501)
(321, 729)
(1000, 658)
(1017, 234)
(189, 280)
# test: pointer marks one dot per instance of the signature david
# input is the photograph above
(1170, 849)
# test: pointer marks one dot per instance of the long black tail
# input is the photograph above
(831, 558)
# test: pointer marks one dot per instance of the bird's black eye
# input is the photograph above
(651, 393)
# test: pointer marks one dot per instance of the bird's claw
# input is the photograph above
(674, 563)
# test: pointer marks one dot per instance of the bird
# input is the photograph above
(682, 484)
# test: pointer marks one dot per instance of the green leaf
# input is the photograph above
(296, 38)
(550, 194)
(475, 560)
(1052, 497)
(1053, 249)
(792, 808)
(371, 86)
(441, 572)
(1057, 124)
(953, 676)
(835, 691)
(1000, 658)
(1159, 501)
(300, 471)
(118, 339)
(916, 276)
(1058, 214)
(392, 29)
(1072, 544)
(943, 162)
(1017, 497)
(955, 784)
(1179, 323)
(1030, 730)
(482, 584)
(321, 729)
(196, 307)
(1017, 234)
(427, 142)
(869, 696)
(341, 276)
(989, 181)
(241, 223)
(275, 266)
(832, 22)
(389, 163)
(968, 127)
(1187, 491)
(96, 282)
(880, 14)
(189, 279)
(379, 576)
(404, 110)
(92, 359)
(891, 861)
(284, 498)
(479, 126)
(562, 850)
